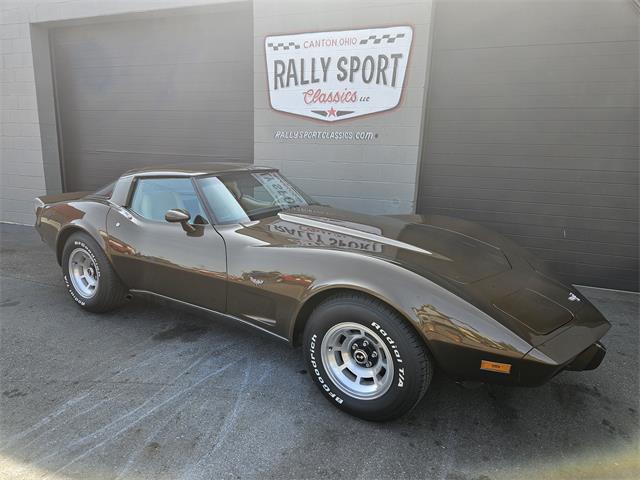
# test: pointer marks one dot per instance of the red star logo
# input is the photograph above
(331, 112)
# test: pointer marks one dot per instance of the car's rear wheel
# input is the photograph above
(88, 275)
(365, 358)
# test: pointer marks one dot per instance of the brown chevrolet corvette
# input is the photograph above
(377, 302)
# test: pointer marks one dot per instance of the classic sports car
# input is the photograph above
(377, 302)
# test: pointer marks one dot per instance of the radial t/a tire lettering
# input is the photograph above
(365, 358)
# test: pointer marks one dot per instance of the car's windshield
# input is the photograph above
(243, 196)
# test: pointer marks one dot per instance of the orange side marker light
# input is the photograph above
(495, 366)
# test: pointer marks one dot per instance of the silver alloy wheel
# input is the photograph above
(357, 361)
(83, 272)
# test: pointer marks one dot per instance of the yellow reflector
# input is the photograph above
(495, 366)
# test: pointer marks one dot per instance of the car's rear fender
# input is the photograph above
(58, 221)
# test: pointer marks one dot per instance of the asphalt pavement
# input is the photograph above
(154, 392)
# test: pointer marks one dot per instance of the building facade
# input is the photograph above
(522, 116)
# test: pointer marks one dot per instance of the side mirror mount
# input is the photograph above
(181, 216)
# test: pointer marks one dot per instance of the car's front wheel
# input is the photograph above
(365, 358)
(88, 275)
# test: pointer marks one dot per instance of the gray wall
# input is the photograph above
(150, 91)
(532, 129)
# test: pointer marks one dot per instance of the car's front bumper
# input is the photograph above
(590, 359)
(575, 348)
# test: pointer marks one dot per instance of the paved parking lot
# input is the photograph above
(151, 392)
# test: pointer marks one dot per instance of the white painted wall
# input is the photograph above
(373, 177)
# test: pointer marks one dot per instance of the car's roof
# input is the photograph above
(195, 169)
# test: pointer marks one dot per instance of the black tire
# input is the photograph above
(109, 291)
(412, 364)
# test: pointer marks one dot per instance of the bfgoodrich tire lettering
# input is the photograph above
(88, 275)
(338, 328)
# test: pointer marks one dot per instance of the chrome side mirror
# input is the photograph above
(177, 215)
(181, 216)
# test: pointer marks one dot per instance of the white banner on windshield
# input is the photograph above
(283, 193)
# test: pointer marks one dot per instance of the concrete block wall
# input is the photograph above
(377, 176)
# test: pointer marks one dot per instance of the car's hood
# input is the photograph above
(455, 254)
(479, 265)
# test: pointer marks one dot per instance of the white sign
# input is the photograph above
(338, 75)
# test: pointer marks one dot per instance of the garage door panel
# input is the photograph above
(154, 90)
(520, 226)
(561, 233)
(561, 222)
(161, 88)
(116, 163)
(495, 23)
(228, 77)
(163, 121)
(624, 214)
(139, 143)
(518, 61)
(188, 72)
(548, 174)
(586, 274)
(584, 200)
(539, 138)
(153, 151)
(519, 54)
(528, 113)
(533, 86)
(598, 151)
(527, 126)
(515, 161)
(615, 262)
(496, 183)
(155, 40)
(584, 246)
(116, 136)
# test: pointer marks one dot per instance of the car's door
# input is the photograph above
(154, 255)
(257, 292)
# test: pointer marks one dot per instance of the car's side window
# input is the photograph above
(153, 197)
(222, 201)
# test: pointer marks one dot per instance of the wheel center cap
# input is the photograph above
(360, 356)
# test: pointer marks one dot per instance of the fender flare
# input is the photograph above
(71, 228)
(315, 296)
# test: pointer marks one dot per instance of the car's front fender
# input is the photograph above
(456, 332)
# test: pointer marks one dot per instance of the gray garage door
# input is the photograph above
(154, 90)
(532, 129)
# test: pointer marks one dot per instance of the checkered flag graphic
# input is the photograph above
(375, 39)
(283, 46)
